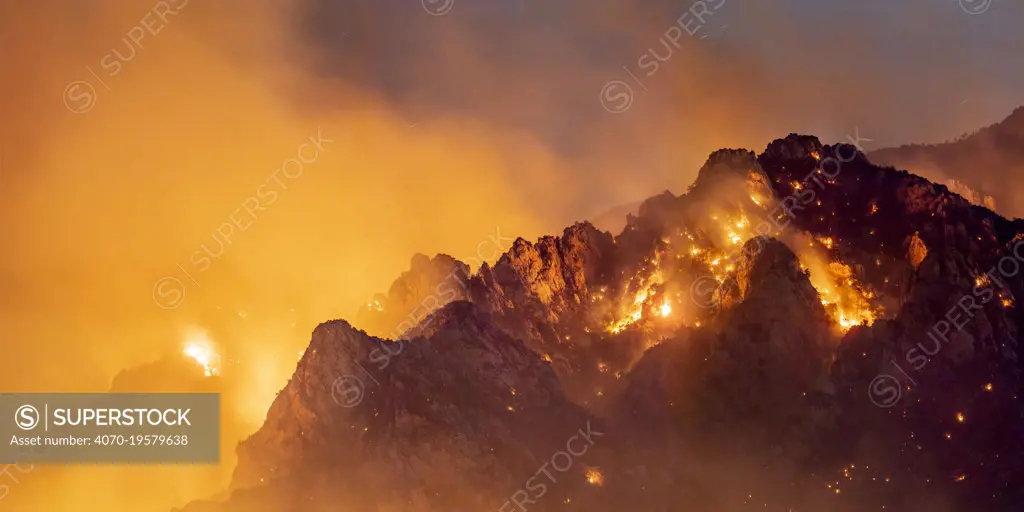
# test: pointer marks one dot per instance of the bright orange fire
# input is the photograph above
(200, 349)
(635, 311)
(666, 309)
(848, 304)
(717, 245)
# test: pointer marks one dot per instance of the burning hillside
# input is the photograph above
(747, 321)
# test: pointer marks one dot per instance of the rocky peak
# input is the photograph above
(760, 335)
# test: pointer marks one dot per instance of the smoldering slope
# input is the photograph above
(444, 131)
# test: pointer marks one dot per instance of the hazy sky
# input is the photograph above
(912, 58)
(911, 71)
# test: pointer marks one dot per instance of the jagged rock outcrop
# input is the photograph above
(917, 252)
(760, 330)
(550, 278)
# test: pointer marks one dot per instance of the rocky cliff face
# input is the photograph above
(801, 330)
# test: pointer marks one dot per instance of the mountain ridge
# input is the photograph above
(977, 163)
(674, 334)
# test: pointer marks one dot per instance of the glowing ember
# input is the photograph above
(594, 477)
(960, 418)
(200, 349)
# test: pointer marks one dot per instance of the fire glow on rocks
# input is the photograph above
(710, 243)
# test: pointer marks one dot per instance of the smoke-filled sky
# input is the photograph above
(142, 193)
(443, 126)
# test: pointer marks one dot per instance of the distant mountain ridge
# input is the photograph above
(985, 167)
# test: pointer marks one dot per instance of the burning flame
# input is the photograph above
(848, 304)
(716, 245)
(594, 477)
(634, 315)
(635, 311)
(199, 348)
(666, 309)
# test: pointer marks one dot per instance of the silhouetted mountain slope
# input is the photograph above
(614, 220)
(985, 166)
